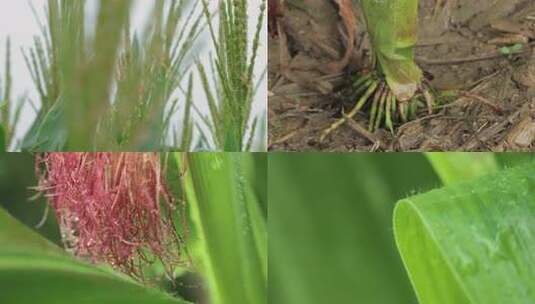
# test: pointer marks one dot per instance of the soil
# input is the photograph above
(481, 49)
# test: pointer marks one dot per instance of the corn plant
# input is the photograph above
(462, 230)
(131, 225)
(156, 68)
(231, 93)
(110, 88)
(396, 87)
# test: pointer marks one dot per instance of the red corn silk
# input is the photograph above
(113, 207)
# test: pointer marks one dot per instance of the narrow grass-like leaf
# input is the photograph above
(471, 242)
(33, 269)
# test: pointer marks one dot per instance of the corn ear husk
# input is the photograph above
(392, 26)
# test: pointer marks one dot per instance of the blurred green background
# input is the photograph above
(17, 177)
(330, 225)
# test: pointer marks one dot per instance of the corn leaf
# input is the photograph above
(471, 242)
(33, 269)
(330, 236)
(514, 159)
(49, 132)
(230, 226)
(453, 167)
(2, 139)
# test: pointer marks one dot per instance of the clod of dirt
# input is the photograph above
(314, 28)
(499, 10)
(525, 74)
(523, 134)
(512, 27)
(411, 136)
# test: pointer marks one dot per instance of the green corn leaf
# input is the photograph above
(49, 132)
(230, 225)
(514, 159)
(32, 269)
(453, 167)
(472, 242)
(392, 26)
(2, 139)
(330, 226)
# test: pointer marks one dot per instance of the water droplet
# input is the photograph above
(216, 163)
(467, 263)
(506, 241)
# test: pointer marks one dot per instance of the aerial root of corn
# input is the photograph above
(372, 92)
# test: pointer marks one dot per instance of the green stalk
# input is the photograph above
(392, 26)
(229, 225)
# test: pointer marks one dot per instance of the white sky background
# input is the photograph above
(17, 21)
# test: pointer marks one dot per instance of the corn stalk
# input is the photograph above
(390, 91)
(392, 27)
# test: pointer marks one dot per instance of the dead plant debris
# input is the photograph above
(481, 50)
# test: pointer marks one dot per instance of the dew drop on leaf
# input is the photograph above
(466, 263)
